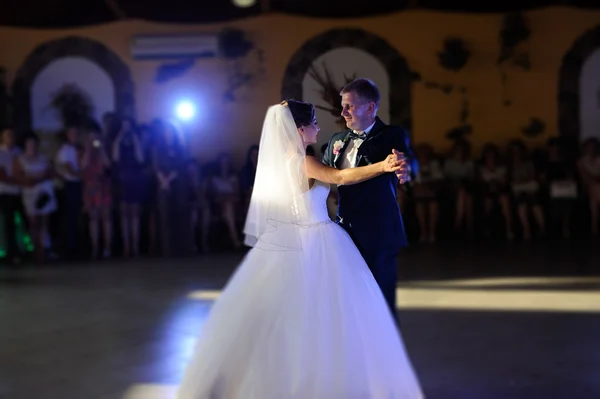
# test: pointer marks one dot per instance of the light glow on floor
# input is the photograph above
(150, 391)
(508, 281)
(209, 295)
(476, 294)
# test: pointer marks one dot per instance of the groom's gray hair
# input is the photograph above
(364, 88)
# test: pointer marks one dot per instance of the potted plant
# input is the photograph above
(73, 105)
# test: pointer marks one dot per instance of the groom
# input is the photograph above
(368, 211)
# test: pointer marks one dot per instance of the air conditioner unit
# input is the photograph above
(174, 46)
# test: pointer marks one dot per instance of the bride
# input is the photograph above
(302, 317)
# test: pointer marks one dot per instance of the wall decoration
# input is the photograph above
(330, 91)
(534, 129)
(514, 48)
(454, 56)
(245, 61)
(513, 33)
(74, 105)
(459, 133)
(168, 71)
(234, 44)
(463, 127)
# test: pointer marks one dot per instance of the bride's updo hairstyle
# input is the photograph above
(303, 113)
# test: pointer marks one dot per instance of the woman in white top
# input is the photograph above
(460, 172)
(525, 187)
(560, 183)
(34, 171)
(589, 170)
(493, 178)
(426, 188)
(69, 169)
(225, 191)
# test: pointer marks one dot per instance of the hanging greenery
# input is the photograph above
(463, 128)
(329, 91)
(454, 56)
(514, 49)
(234, 44)
(535, 128)
(514, 32)
(459, 133)
(73, 104)
(245, 60)
(415, 77)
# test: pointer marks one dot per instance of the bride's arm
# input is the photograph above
(319, 171)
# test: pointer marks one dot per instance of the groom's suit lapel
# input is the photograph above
(337, 161)
(377, 129)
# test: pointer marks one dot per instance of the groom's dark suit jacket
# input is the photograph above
(369, 210)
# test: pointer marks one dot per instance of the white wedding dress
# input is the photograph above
(308, 324)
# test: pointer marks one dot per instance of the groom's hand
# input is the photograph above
(403, 174)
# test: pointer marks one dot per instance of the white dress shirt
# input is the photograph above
(67, 154)
(351, 152)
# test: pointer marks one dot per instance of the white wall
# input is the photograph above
(80, 71)
(346, 61)
(589, 100)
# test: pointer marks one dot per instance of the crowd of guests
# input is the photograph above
(164, 202)
(542, 193)
(140, 178)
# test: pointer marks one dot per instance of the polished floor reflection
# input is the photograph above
(493, 322)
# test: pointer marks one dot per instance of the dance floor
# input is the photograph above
(502, 322)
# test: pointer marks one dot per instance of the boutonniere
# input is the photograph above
(337, 147)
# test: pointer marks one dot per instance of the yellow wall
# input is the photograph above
(417, 35)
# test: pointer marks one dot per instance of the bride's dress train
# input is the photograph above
(308, 324)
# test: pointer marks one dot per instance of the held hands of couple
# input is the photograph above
(395, 162)
(401, 167)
